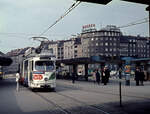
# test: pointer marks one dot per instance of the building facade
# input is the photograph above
(104, 42)
(110, 42)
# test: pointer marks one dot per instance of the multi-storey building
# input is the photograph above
(110, 41)
(104, 42)
(134, 46)
(57, 48)
(72, 48)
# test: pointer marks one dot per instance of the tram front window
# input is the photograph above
(44, 65)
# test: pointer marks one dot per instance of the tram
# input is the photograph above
(38, 72)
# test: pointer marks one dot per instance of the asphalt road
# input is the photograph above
(79, 98)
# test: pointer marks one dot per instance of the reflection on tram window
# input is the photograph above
(44, 65)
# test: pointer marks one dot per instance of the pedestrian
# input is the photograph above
(94, 75)
(97, 77)
(104, 77)
(107, 73)
(73, 77)
(17, 80)
(142, 76)
(137, 76)
(119, 73)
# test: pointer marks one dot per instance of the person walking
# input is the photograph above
(107, 74)
(104, 77)
(97, 77)
(73, 77)
(142, 76)
(94, 75)
(17, 80)
(137, 76)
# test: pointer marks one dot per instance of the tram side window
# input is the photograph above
(31, 65)
(26, 66)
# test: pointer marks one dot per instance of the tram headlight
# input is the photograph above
(46, 79)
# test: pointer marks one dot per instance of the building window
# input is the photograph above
(96, 44)
(114, 44)
(114, 49)
(106, 44)
(106, 49)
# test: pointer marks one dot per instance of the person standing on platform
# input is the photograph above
(137, 76)
(97, 77)
(104, 77)
(142, 76)
(73, 77)
(107, 74)
(94, 75)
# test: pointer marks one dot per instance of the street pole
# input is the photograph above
(120, 77)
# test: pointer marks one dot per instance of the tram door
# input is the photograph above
(30, 73)
(26, 72)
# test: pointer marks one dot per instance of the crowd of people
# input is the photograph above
(102, 76)
(139, 76)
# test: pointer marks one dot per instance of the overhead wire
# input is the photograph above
(141, 21)
(73, 6)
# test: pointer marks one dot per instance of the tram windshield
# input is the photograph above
(44, 65)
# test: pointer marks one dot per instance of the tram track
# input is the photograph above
(91, 106)
(109, 93)
(64, 111)
(60, 95)
(73, 100)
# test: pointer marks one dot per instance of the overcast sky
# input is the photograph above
(22, 19)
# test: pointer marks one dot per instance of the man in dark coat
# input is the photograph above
(97, 77)
(142, 76)
(137, 76)
(107, 73)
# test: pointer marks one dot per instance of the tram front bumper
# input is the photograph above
(43, 85)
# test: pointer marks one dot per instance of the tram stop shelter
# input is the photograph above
(81, 61)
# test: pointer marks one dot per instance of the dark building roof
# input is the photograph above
(139, 1)
(124, 39)
(78, 41)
